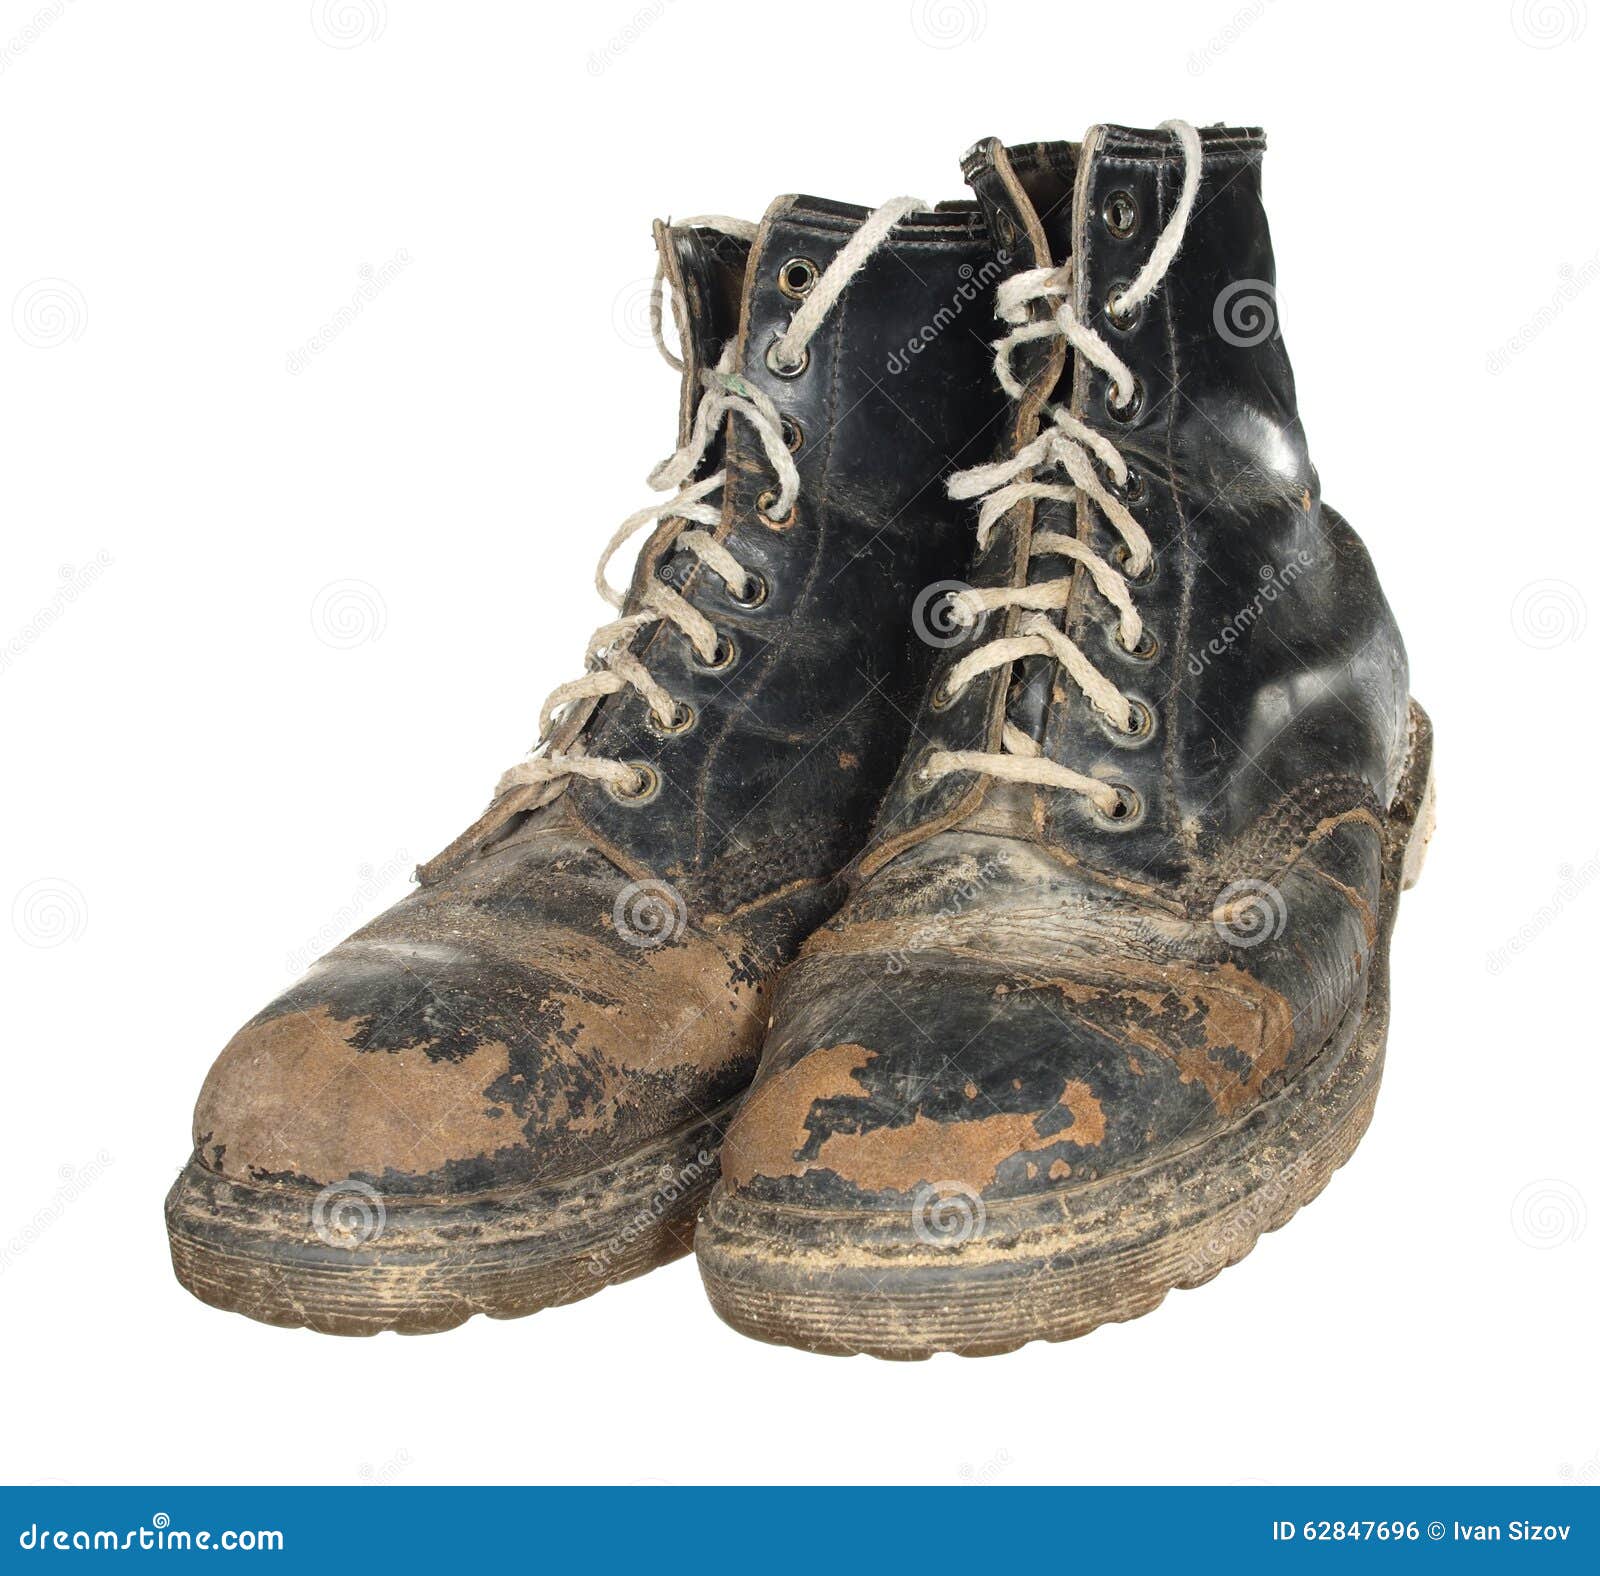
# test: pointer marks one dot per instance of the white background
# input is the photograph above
(215, 765)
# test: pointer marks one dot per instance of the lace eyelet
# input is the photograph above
(1005, 229)
(796, 278)
(683, 719)
(1127, 814)
(1145, 651)
(793, 434)
(1132, 491)
(1142, 730)
(942, 698)
(723, 657)
(764, 506)
(755, 596)
(1121, 214)
(782, 369)
(1122, 558)
(1128, 412)
(1123, 322)
(649, 786)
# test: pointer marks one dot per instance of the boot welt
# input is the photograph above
(352, 1260)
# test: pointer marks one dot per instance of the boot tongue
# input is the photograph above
(704, 268)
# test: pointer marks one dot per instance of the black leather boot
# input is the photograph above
(1109, 999)
(509, 1090)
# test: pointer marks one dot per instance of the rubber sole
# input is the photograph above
(350, 1260)
(1056, 1267)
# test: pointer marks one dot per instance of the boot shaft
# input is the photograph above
(1269, 671)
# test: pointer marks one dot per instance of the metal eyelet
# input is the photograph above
(1123, 322)
(1005, 229)
(1122, 557)
(1133, 490)
(1128, 813)
(1128, 412)
(1145, 651)
(683, 719)
(1121, 214)
(649, 786)
(793, 433)
(796, 278)
(755, 596)
(942, 697)
(764, 506)
(782, 369)
(722, 657)
(1142, 730)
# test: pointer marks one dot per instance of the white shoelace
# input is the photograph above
(1073, 448)
(611, 665)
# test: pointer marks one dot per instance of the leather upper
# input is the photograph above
(1021, 995)
(579, 974)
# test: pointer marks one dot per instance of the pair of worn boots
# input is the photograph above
(1006, 920)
